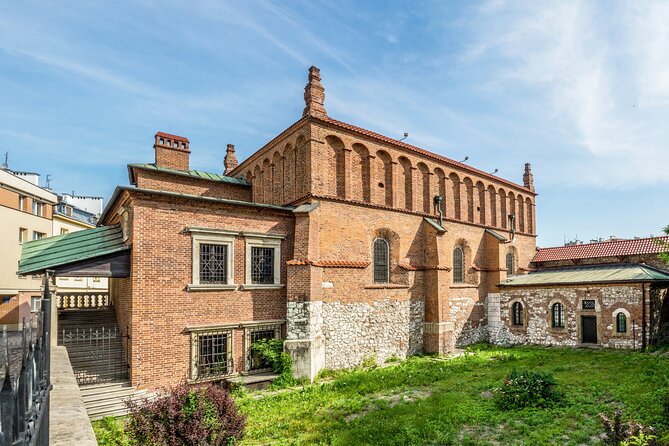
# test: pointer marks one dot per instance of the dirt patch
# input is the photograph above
(390, 400)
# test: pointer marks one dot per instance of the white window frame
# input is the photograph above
(22, 202)
(38, 208)
(23, 235)
(35, 308)
(42, 234)
(263, 242)
(213, 238)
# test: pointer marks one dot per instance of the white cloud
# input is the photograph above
(603, 68)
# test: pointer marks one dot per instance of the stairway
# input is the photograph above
(94, 344)
(108, 400)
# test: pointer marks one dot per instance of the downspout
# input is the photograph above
(512, 227)
(438, 199)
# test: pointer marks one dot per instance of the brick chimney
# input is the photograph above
(172, 151)
(230, 161)
(528, 178)
(314, 95)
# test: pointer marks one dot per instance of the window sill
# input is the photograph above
(217, 287)
(382, 286)
(463, 285)
(262, 286)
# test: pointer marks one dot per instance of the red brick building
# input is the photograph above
(346, 243)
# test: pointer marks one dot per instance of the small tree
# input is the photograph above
(664, 256)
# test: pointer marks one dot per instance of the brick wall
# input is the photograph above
(162, 308)
(313, 158)
(147, 179)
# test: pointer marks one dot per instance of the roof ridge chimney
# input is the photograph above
(528, 178)
(172, 151)
(314, 95)
(230, 162)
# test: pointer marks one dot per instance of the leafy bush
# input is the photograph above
(665, 404)
(109, 432)
(527, 389)
(188, 415)
(271, 352)
(629, 433)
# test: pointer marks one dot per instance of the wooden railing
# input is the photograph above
(84, 300)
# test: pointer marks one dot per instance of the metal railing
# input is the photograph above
(24, 398)
(96, 354)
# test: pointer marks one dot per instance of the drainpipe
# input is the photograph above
(438, 199)
(512, 226)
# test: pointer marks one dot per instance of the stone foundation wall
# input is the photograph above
(354, 331)
(537, 322)
(469, 321)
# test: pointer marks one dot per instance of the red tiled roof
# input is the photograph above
(613, 248)
(409, 267)
(171, 136)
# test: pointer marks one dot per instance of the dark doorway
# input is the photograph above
(589, 329)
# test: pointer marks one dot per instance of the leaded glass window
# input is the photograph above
(212, 355)
(381, 261)
(262, 265)
(517, 313)
(213, 264)
(458, 265)
(621, 323)
(558, 315)
(510, 261)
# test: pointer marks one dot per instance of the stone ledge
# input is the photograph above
(69, 423)
(382, 286)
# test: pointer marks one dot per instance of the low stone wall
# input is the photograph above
(537, 322)
(355, 331)
(469, 324)
(69, 423)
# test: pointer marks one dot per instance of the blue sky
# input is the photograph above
(579, 89)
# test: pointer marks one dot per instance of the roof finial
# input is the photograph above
(314, 95)
(230, 160)
(528, 178)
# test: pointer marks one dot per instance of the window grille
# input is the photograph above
(253, 361)
(458, 265)
(517, 313)
(213, 263)
(558, 315)
(212, 355)
(262, 265)
(621, 323)
(588, 304)
(381, 261)
(510, 261)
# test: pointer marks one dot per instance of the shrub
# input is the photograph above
(628, 433)
(665, 404)
(109, 432)
(271, 352)
(188, 415)
(527, 389)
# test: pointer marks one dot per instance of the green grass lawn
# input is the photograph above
(427, 400)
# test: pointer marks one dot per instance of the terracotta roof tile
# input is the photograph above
(409, 267)
(330, 263)
(613, 248)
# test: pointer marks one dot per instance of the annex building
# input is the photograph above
(346, 243)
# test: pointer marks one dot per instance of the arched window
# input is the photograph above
(381, 261)
(558, 315)
(621, 323)
(510, 260)
(458, 265)
(517, 314)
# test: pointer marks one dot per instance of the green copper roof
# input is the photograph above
(615, 273)
(50, 252)
(192, 173)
